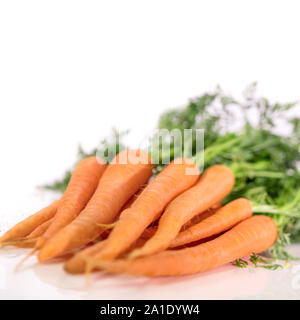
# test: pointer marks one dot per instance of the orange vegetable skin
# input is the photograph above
(80, 189)
(172, 181)
(118, 183)
(77, 264)
(253, 235)
(213, 186)
(26, 226)
(40, 230)
(201, 216)
(222, 220)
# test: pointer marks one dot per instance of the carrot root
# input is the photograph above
(117, 185)
(82, 185)
(222, 220)
(253, 235)
(213, 186)
(28, 225)
(166, 186)
(18, 266)
(21, 243)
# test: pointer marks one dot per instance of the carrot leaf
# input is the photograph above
(240, 263)
(260, 262)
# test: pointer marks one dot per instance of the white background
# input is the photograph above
(70, 70)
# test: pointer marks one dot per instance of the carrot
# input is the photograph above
(22, 243)
(77, 264)
(214, 185)
(118, 183)
(26, 226)
(150, 231)
(40, 230)
(253, 235)
(30, 240)
(130, 202)
(80, 189)
(195, 243)
(127, 205)
(149, 205)
(222, 220)
(201, 216)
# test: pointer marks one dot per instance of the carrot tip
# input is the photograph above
(24, 259)
(89, 267)
(10, 243)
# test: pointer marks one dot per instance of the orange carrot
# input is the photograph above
(26, 226)
(128, 204)
(222, 220)
(80, 189)
(31, 239)
(253, 235)
(40, 230)
(149, 205)
(77, 264)
(21, 243)
(150, 231)
(213, 186)
(195, 243)
(118, 183)
(200, 217)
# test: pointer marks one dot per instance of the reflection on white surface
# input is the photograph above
(49, 281)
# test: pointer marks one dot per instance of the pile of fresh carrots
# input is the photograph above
(115, 218)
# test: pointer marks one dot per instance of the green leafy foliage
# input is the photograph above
(59, 185)
(260, 262)
(240, 263)
(264, 162)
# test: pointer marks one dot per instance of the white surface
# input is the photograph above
(228, 282)
(70, 70)
(49, 281)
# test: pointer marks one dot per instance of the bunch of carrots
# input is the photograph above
(115, 218)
